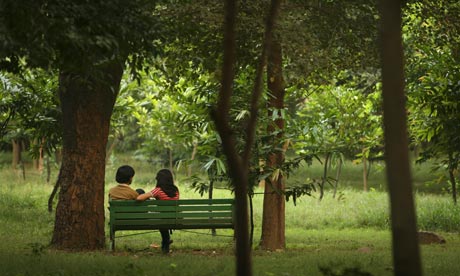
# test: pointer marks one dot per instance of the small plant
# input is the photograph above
(37, 248)
(132, 269)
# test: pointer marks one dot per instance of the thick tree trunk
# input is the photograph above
(273, 219)
(406, 255)
(87, 104)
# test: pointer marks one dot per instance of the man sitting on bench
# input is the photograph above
(123, 191)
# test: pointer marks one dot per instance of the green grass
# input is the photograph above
(349, 232)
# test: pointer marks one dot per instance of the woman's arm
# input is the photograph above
(143, 197)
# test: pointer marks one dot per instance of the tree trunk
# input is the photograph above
(273, 219)
(406, 255)
(210, 194)
(39, 161)
(48, 168)
(16, 153)
(324, 178)
(239, 165)
(237, 168)
(87, 103)
(337, 176)
(365, 188)
(453, 183)
(251, 219)
(194, 151)
(53, 194)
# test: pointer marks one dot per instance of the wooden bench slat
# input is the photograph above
(174, 215)
(170, 226)
(139, 209)
(173, 221)
(172, 202)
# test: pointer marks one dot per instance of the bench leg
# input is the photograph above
(112, 241)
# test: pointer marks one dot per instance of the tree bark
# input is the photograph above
(273, 219)
(365, 188)
(251, 219)
(87, 102)
(239, 165)
(337, 176)
(324, 178)
(453, 183)
(192, 158)
(406, 255)
(48, 168)
(38, 162)
(16, 153)
(238, 171)
(210, 194)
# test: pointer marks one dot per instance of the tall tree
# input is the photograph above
(237, 170)
(88, 43)
(406, 255)
(273, 218)
(239, 164)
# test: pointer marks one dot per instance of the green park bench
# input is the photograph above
(170, 214)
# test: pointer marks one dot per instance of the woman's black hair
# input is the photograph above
(165, 181)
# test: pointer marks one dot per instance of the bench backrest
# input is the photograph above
(171, 214)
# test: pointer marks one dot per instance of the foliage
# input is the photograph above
(299, 190)
(163, 105)
(431, 36)
(322, 38)
(344, 117)
(30, 109)
(74, 36)
(192, 50)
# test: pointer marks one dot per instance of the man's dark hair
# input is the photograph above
(124, 174)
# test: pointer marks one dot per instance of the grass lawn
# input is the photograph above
(331, 237)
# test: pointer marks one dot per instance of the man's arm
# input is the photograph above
(143, 197)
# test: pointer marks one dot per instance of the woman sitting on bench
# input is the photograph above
(164, 190)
